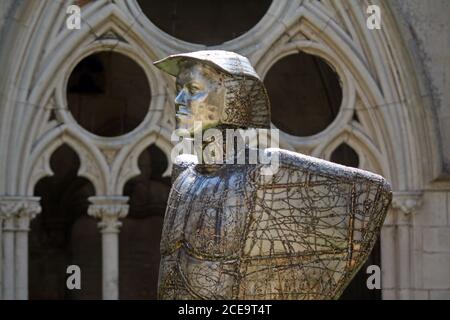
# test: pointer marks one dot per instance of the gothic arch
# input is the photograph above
(92, 163)
(386, 90)
(126, 164)
(369, 155)
(45, 79)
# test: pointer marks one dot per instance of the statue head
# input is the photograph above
(217, 88)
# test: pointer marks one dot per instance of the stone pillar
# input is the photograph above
(29, 210)
(16, 213)
(7, 210)
(405, 205)
(109, 209)
(1, 256)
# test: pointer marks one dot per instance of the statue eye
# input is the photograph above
(193, 89)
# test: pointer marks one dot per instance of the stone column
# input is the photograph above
(406, 205)
(29, 210)
(1, 256)
(109, 209)
(16, 213)
(7, 210)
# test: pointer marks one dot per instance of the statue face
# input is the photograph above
(200, 98)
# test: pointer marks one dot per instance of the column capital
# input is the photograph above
(23, 209)
(407, 202)
(19, 205)
(109, 209)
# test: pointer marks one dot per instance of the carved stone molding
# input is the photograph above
(407, 202)
(18, 212)
(109, 210)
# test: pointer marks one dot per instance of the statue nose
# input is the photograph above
(180, 99)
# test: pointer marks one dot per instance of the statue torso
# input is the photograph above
(300, 234)
(204, 233)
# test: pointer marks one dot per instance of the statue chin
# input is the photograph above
(187, 126)
(187, 130)
(184, 125)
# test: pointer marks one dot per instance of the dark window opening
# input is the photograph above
(204, 21)
(140, 234)
(305, 94)
(357, 289)
(108, 94)
(345, 155)
(63, 234)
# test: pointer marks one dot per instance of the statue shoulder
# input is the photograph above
(181, 163)
(313, 225)
(288, 162)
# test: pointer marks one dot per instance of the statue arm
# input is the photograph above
(313, 226)
(181, 163)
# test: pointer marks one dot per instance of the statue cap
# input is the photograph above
(226, 61)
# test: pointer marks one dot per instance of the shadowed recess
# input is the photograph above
(205, 21)
(305, 94)
(345, 155)
(63, 234)
(357, 289)
(108, 94)
(140, 234)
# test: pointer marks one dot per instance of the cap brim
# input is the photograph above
(227, 62)
(171, 64)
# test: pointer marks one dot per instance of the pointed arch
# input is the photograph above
(370, 157)
(44, 80)
(92, 163)
(387, 89)
(126, 165)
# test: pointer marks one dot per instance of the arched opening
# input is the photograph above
(305, 94)
(345, 155)
(140, 234)
(357, 289)
(204, 21)
(63, 234)
(108, 94)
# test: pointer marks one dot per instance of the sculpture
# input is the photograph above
(231, 232)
